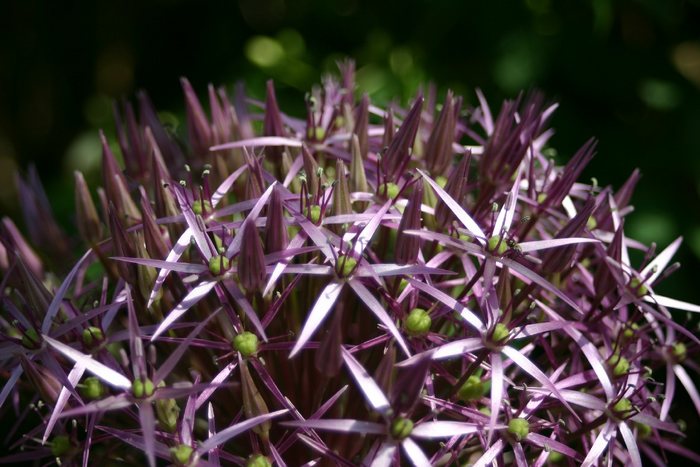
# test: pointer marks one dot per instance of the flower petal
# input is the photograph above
(100, 370)
(191, 299)
(324, 304)
(373, 393)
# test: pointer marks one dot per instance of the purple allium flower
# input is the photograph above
(356, 286)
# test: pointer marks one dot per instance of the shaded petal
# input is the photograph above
(551, 444)
(533, 370)
(450, 302)
(497, 380)
(539, 280)
(631, 443)
(103, 372)
(672, 303)
(191, 299)
(658, 264)
(600, 444)
(60, 293)
(188, 268)
(490, 454)
(234, 430)
(379, 311)
(373, 393)
(384, 455)
(148, 425)
(341, 425)
(456, 209)
(687, 382)
(535, 245)
(259, 142)
(415, 453)
(324, 303)
(73, 377)
(175, 253)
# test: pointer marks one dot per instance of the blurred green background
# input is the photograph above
(627, 72)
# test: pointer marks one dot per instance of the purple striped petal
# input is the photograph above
(231, 432)
(175, 253)
(533, 370)
(415, 453)
(466, 220)
(658, 264)
(379, 311)
(148, 425)
(259, 142)
(60, 293)
(373, 393)
(384, 455)
(671, 303)
(497, 380)
(342, 425)
(536, 245)
(606, 435)
(103, 372)
(324, 304)
(447, 429)
(188, 268)
(191, 299)
(450, 302)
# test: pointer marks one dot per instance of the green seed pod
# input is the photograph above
(622, 407)
(141, 388)
(219, 264)
(246, 343)
(31, 339)
(679, 351)
(345, 265)
(92, 336)
(497, 245)
(258, 460)
(181, 454)
(60, 445)
(620, 365)
(638, 287)
(314, 213)
(401, 428)
(388, 190)
(199, 207)
(519, 427)
(418, 322)
(500, 333)
(472, 389)
(92, 388)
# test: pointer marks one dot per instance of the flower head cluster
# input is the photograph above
(362, 286)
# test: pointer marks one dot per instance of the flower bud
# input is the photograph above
(341, 194)
(276, 238)
(408, 246)
(86, 214)
(519, 427)
(167, 412)
(253, 403)
(198, 128)
(456, 187)
(396, 158)
(438, 152)
(251, 261)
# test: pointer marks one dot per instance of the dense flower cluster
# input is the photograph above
(359, 287)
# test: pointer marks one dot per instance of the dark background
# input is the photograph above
(627, 72)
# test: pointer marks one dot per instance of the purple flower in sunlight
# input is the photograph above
(355, 286)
